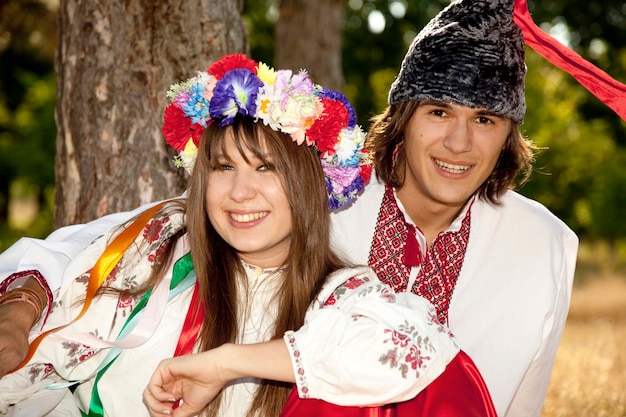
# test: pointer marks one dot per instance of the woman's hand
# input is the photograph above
(184, 385)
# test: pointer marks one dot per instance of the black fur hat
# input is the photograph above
(472, 54)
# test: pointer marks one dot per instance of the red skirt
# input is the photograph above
(459, 391)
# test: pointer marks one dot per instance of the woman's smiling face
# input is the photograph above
(247, 205)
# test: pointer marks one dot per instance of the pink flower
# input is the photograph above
(399, 339)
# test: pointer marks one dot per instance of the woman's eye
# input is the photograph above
(224, 167)
(484, 120)
(438, 112)
(265, 167)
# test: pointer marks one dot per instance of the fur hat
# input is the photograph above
(472, 54)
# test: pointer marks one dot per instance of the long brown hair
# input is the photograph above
(386, 136)
(216, 263)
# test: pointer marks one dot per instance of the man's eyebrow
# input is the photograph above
(490, 114)
(436, 103)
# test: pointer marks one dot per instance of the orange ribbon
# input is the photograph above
(101, 270)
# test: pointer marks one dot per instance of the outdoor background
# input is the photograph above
(580, 174)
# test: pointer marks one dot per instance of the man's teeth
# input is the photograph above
(457, 169)
(248, 217)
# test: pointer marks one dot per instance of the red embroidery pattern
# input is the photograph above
(440, 270)
(386, 256)
(299, 367)
(444, 259)
(6, 283)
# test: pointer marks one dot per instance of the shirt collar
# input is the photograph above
(456, 224)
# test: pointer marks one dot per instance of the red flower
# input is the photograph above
(330, 301)
(152, 231)
(230, 62)
(326, 128)
(353, 283)
(415, 358)
(177, 128)
(399, 339)
(366, 170)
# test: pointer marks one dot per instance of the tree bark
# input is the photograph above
(115, 61)
(308, 34)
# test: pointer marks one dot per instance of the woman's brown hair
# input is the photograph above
(386, 136)
(217, 265)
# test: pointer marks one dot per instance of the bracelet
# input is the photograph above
(27, 296)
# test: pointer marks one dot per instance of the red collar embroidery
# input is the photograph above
(440, 268)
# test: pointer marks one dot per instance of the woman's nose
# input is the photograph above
(243, 186)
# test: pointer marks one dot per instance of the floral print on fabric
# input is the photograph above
(58, 358)
(356, 319)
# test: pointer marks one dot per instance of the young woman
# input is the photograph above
(242, 271)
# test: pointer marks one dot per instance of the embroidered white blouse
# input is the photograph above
(355, 321)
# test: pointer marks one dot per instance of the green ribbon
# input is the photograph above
(182, 268)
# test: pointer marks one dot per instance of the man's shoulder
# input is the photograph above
(522, 211)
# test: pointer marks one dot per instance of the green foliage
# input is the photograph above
(27, 128)
(579, 173)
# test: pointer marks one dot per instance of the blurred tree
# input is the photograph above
(27, 94)
(578, 174)
(114, 62)
(308, 35)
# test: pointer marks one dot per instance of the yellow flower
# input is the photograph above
(266, 74)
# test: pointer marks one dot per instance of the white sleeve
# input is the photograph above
(528, 399)
(364, 345)
(50, 256)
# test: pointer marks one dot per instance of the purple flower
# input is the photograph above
(234, 94)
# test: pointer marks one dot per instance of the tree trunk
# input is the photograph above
(308, 35)
(115, 60)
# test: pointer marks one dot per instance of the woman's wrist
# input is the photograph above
(266, 360)
(29, 300)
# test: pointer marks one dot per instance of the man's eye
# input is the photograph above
(438, 112)
(484, 120)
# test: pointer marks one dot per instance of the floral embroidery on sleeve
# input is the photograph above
(299, 368)
(410, 350)
(39, 371)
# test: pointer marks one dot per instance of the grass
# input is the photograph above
(589, 376)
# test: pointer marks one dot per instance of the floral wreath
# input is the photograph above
(286, 102)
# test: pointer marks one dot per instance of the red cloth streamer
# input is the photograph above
(193, 324)
(599, 83)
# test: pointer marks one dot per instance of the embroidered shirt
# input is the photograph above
(439, 265)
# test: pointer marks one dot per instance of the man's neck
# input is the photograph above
(430, 217)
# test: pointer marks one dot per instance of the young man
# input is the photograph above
(439, 220)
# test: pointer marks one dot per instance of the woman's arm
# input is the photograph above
(364, 345)
(183, 386)
(20, 309)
